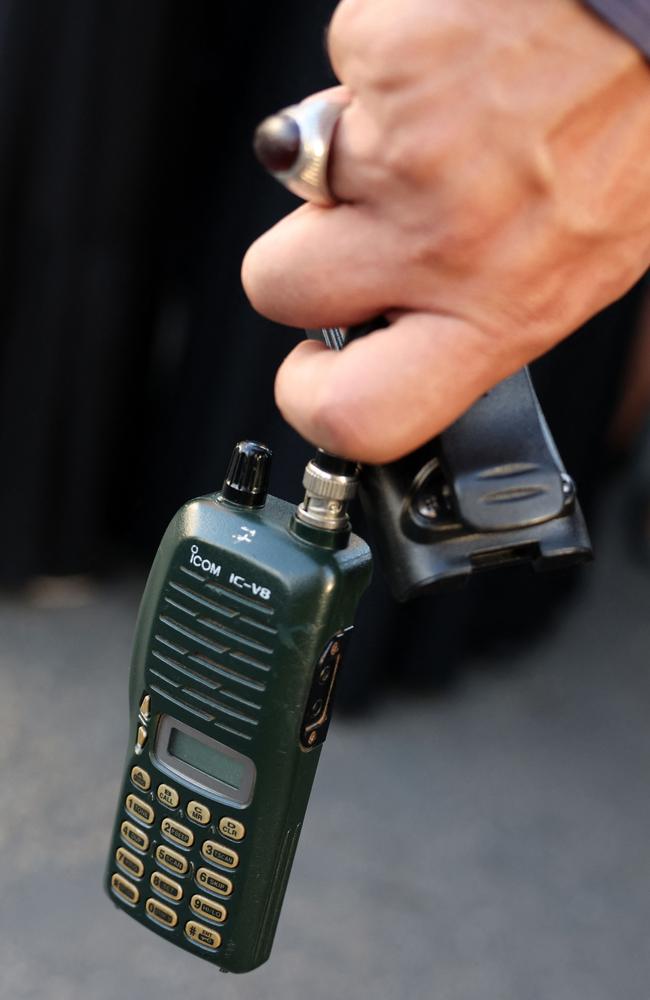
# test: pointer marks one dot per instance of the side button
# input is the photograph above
(125, 889)
(140, 739)
(318, 709)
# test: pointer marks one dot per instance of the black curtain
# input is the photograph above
(128, 357)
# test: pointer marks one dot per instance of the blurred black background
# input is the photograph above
(130, 361)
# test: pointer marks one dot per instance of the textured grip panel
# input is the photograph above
(276, 894)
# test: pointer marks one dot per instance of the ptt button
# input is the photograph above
(168, 796)
(213, 882)
(129, 863)
(166, 886)
(124, 889)
(141, 778)
(176, 833)
(200, 934)
(232, 828)
(219, 854)
(198, 812)
(135, 837)
(172, 860)
(139, 809)
(161, 913)
(209, 909)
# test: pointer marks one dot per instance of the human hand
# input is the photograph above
(493, 168)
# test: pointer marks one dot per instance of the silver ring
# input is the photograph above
(294, 146)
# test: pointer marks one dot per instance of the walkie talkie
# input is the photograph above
(239, 642)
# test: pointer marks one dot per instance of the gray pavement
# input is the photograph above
(492, 845)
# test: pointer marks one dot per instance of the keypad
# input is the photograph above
(171, 860)
(214, 882)
(141, 778)
(168, 796)
(134, 836)
(129, 863)
(203, 935)
(125, 889)
(177, 833)
(161, 913)
(166, 880)
(209, 909)
(139, 809)
(231, 828)
(166, 886)
(197, 812)
(219, 854)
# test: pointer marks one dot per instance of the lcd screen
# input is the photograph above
(217, 769)
(205, 758)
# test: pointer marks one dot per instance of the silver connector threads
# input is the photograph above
(330, 483)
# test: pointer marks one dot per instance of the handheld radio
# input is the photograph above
(238, 646)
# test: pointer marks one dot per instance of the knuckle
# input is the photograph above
(333, 424)
(402, 157)
(360, 49)
(330, 422)
(331, 430)
(346, 27)
(421, 154)
(323, 419)
(443, 246)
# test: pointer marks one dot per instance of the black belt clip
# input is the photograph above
(489, 491)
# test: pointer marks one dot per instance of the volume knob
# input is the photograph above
(247, 479)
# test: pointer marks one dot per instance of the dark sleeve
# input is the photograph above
(630, 17)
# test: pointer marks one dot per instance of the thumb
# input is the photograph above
(391, 391)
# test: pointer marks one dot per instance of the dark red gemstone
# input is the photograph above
(277, 143)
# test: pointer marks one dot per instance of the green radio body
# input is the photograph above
(238, 645)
